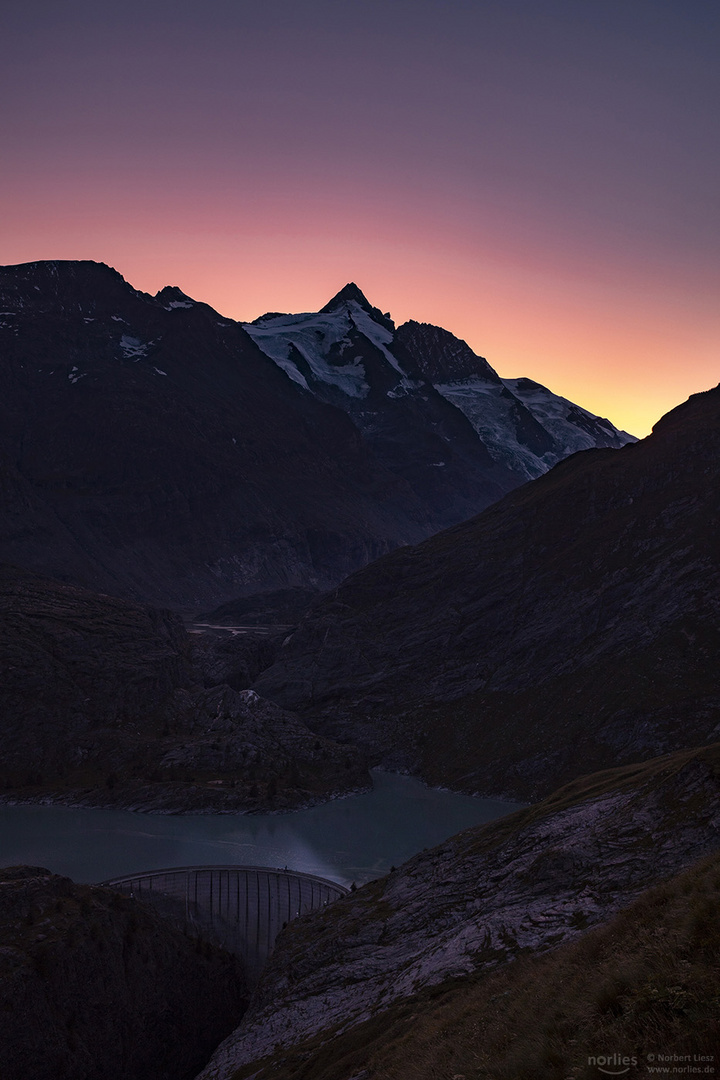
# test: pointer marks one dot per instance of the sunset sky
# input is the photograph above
(541, 177)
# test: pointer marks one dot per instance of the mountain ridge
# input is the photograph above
(521, 424)
(150, 448)
(572, 623)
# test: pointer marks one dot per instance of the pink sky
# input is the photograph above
(539, 179)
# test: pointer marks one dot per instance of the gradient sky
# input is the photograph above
(541, 177)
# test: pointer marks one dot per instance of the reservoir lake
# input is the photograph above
(353, 839)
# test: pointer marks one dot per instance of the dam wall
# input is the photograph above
(243, 908)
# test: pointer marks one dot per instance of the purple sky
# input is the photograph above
(540, 177)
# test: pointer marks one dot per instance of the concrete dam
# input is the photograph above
(244, 908)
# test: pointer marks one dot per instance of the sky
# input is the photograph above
(540, 177)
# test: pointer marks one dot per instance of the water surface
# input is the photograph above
(351, 839)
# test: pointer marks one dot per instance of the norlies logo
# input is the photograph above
(613, 1064)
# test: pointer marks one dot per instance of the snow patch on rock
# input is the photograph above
(132, 348)
(300, 344)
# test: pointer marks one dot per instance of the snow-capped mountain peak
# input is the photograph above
(352, 294)
(350, 352)
(313, 349)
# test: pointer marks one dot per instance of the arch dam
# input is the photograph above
(244, 908)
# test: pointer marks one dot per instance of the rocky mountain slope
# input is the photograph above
(149, 449)
(153, 449)
(94, 986)
(397, 386)
(105, 703)
(573, 625)
(522, 423)
(524, 885)
(637, 994)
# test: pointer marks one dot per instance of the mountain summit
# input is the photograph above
(351, 291)
(351, 355)
(153, 449)
(352, 294)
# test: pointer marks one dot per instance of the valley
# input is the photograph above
(243, 564)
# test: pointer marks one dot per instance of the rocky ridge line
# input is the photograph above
(525, 884)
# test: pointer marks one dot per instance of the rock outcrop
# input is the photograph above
(103, 704)
(94, 986)
(634, 994)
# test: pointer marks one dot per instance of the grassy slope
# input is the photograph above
(646, 982)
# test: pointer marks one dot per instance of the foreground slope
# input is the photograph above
(573, 625)
(636, 996)
(94, 986)
(521, 886)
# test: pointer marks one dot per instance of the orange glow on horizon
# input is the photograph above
(539, 179)
(609, 331)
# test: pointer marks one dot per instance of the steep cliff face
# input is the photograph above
(571, 626)
(102, 704)
(523, 885)
(94, 986)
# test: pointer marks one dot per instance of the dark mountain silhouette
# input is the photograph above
(99, 986)
(150, 448)
(573, 625)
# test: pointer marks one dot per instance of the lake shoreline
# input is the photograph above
(91, 802)
(351, 838)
